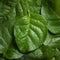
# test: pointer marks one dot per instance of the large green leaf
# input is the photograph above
(30, 32)
(51, 17)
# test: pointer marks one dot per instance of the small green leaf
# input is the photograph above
(52, 41)
(48, 52)
(57, 55)
(13, 53)
(37, 54)
(5, 39)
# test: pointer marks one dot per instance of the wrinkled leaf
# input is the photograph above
(30, 32)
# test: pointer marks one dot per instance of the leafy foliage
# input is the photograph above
(29, 29)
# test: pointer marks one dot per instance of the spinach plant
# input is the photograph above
(29, 29)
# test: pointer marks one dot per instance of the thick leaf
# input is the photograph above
(51, 17)
(30, 32)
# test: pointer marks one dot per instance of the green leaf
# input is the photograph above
(57, 55)
(22, 8)
(53, 58)
(56, 6)
(34, 6)
(7, 19)
(5, 39)
(37, 54)
(48, 52)
(30, 32)
(52, 41)
(2, 59)
(51, 17)
(13, 53)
